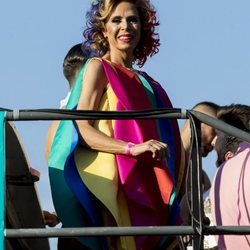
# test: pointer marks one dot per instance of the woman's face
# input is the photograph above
(123, 28)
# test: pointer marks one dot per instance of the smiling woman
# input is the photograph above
(118, 173)
(204, 55)
(97, 18)
(122, 30)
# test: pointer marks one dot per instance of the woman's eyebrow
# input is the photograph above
(131, 16)
(114, 17)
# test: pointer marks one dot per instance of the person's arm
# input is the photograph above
(95, 82)
(50, 219)
(50, 137)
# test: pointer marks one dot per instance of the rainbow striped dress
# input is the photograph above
(94, 189)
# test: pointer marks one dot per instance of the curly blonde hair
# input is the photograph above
(100, 11)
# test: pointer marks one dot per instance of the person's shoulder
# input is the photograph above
(95, 65)
(95, 62)
(95, 72)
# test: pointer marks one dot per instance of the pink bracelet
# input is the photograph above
(128, 148)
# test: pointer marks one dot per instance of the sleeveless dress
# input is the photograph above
(92, 189)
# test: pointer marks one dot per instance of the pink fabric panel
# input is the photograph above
(137, 175)
(128, 91)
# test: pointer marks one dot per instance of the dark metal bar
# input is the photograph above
(196, 187)
(125, 231)
(2, 178)
(222, 126)
(59, 114)
(98, 231)
(227, 230)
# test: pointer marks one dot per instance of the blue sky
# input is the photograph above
(204, 55)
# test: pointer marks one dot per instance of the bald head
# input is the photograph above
(207, 132)
(208, 108)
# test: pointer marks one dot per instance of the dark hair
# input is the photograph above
(229, 143)
(96, 44)
(73, 61)
(210, 105)
(237, 115)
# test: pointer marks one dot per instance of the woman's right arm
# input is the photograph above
(95, 82)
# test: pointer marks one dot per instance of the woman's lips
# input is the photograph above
(125, 37)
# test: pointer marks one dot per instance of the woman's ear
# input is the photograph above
(229, 155)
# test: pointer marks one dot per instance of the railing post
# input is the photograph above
(196, 189)
(2, 178)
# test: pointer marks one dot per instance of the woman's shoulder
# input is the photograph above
(95, 65)
(95, 71)
(95, 62)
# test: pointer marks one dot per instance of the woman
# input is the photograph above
(117, 173)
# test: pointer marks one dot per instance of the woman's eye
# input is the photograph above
(116, 20)
(133, 20)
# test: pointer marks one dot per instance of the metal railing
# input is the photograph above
(197, 229)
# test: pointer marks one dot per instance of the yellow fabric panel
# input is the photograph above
(126, 242)
(98, 171)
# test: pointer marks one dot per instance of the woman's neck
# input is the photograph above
(122, 59)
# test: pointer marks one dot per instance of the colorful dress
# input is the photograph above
(92, 188)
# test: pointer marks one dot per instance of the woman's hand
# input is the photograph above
(158, 149)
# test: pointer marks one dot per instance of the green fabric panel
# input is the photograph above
(77, 88)
(149, 90)
(61, 145)
(62, 140)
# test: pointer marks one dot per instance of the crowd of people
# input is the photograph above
(133, 172)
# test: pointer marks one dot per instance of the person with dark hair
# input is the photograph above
(207, 136)
(230, 197)
(207, 132)
(227, 145)
(72, 64)
(118, 172)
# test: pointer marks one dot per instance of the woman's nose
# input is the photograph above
(125, 25)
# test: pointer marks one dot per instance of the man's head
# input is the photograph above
(73, 62)
(226, 145)
(207, 132)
